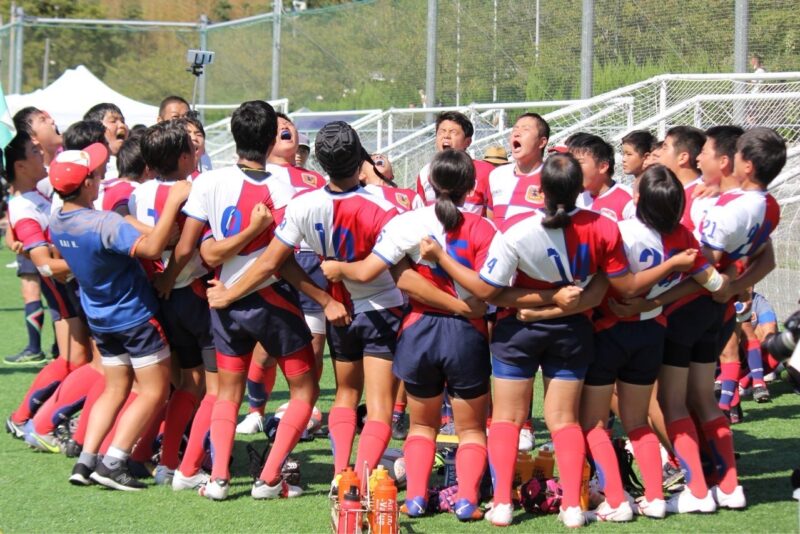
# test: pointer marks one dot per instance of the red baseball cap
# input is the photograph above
(72, 167)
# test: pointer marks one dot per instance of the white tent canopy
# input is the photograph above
(74, 92)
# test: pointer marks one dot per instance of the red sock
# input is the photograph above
(110, 436)
(371, 445)
(647, 451)
(83, 419)
(470, 465)
(223, 428)
(270, 374)
(399, 407)
(194, 453)
(342, 428)
(42, 387)
(422, 449)
(67, 399)
(179, 412)
(770, 360)
(718, 433)
(684, 440)
(143, 450)
(570, 450)
(502, 445)
(291, 427)
(606, 465)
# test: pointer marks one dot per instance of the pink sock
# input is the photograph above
(179, 412)
(422, 449)
(194, 453)
(67, 399)
(502, 446)
(570, 452)
(606, 465)
(223, 428)
(372, 444)
(83, 419)
(342, 428)
(718, 433)
(291, 427)
(684, 440)
(647, 451)
(45, 383)
(470, 465)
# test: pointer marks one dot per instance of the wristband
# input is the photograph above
(714, 282)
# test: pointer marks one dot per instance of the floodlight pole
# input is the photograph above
(430, 66)
(587, 26)
(276, 49)
(20, 17)
(201, 97)
(740, 35)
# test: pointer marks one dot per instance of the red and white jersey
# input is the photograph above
(468, 244)
(695, 209)
(616, 203)
(645, 248)
(146, 204)
(29, 216)
(476, 199)
(114, 195)
(402, 199)
(224, 198)
(298, 178)
(739, 224)
(343, 226)
(526, 254)
(512, 193)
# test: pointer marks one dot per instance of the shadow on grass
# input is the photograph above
(28, 369)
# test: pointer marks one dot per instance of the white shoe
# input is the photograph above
(657, 508)
(605, 512)
(251, 424)
(216, 490)
(526, 440)
(686, 503)
(262, 490)
(572, 517)
(163, 475)
(182, 482)
(734, 500)
(500, 515)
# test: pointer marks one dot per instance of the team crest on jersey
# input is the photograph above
(309, 179)
(611, 214)
(402, 198)
(534, 195)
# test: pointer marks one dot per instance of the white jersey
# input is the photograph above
(29, 217)
(696, 208)
(224, 198)
(476, 200)
(344, 226)
(146, 204)
(512, 193)
(616, 203)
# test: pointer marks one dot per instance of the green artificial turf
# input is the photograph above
(35, 495)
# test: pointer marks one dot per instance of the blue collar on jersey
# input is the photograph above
(352, 189)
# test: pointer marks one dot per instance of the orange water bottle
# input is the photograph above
(378, 474)
(544, 463)
(385, 507)
(587, 472)
(348, 479)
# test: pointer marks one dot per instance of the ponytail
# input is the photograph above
(452, 176)
(562, 182)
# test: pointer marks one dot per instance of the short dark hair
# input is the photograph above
(656, 145)
(254, 126)
(544, 127)
(562, 182)
(575, 138)
(452, 177)
(661, 199)
(14, 152)
(172, 99)
(130, 162)
(688, 139)
(23, 119)
(457, 117)
(766, 150)
(98, 112)
(163, 144)
(596, 147)
(194, 121)
(640, 140)
(725, 138)
(284, 116)
(84, 133)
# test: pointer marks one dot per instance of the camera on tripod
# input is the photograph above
(783, 346)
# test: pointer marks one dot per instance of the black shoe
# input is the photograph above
(71, 448)
(399, 429)
(81, 475)
(26, 357)
(118, 479)
(761, 394)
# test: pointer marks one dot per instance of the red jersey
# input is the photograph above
(476, 199)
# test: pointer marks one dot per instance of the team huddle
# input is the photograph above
(174, 288)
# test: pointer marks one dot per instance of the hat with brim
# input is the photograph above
(71, 167)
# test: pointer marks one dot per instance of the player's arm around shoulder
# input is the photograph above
(152, 245)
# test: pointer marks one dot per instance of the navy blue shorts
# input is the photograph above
(309, 261)
(270, 316)
(62, 299)
(693, 333)
(25, 265)
(629, 351)
(187, 322)
(138, 346)
(372, 332)
(435, 352)
(563, 348)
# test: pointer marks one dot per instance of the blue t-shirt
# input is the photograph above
(115, 292)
